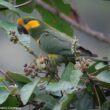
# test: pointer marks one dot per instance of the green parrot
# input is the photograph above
(50, 40)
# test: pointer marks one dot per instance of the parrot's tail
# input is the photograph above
(85, 52)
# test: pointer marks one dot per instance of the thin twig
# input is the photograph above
(80, 27)
(98, 99)
(23, 4)
(4, 74)
(17, 6)
(7, 76)
(94, 87)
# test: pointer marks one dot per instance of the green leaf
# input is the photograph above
(58, 86)
(100, 65)
(102, 69)
(68, 71)
(106, 106)
(12, 101)
(3, 88)
(3, 95)
(55, 21)
(27, 91)
(92, 67)
(72, 75)
(75, 77)
(65, 101)
(47, 99)
(6, 25)
(19, 77)
(104, 76)
(2, 79)
(84, 102)
(9, 6)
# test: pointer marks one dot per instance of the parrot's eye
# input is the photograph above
(22, 30)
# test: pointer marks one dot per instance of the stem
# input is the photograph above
(23, 4)
(98, 99)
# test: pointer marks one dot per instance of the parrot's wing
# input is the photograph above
(54, 42)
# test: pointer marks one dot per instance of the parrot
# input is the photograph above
(55, 43)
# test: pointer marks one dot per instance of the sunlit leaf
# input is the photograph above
(75, 77)
(68, 71)
(58, 86)
(2, 79)
(4, 95)
(27, 90)
(104, 76)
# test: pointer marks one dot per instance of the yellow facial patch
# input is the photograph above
(20, 21)
(32, 24)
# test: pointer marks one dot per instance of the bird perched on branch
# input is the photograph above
(50, 40)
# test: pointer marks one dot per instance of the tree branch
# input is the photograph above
(17, 6)
(82, 28)
(23, 4)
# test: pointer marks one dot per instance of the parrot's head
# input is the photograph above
(30, 26)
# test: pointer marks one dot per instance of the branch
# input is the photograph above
(17, 6)
(23, 4)
(84, 29)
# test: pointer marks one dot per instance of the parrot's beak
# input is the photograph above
(22, 29)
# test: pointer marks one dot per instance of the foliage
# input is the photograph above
(80, 89)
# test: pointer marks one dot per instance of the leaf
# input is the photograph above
(19, 77)
(65, 101)
(58, 86)
(2, 79)
(3, 95)
(12, 101)
(67, 72)
(9, 6)
(100, 65)
(84, 102)
(3, 88)
(27, 90)
(106, 106)
(7, 25)
(102, 69)
(46, 98)
(92, 67)
(75, 77)
(55, 21)
(95, 66)
(104, 76)
(71, 75)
